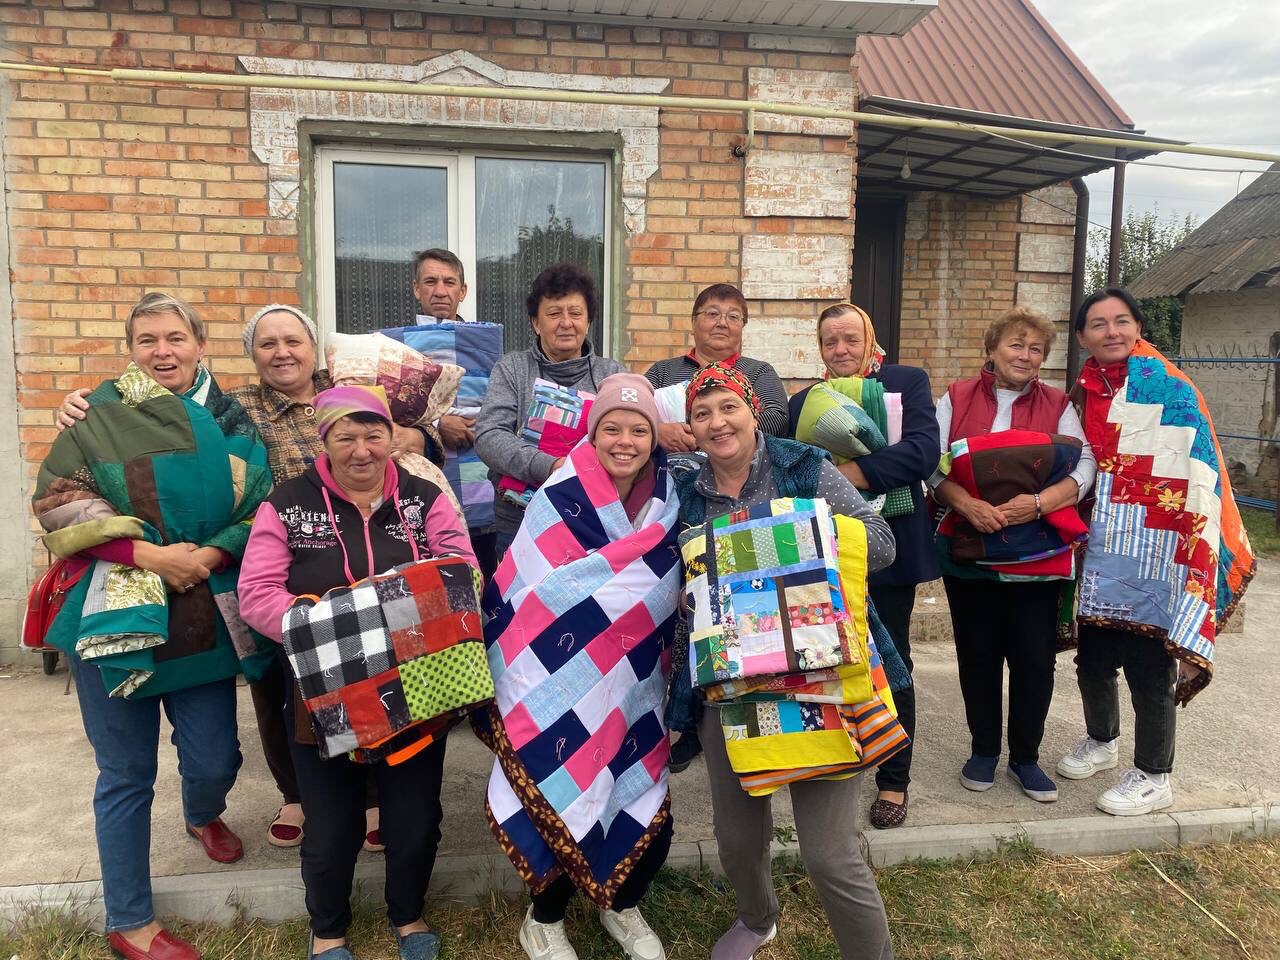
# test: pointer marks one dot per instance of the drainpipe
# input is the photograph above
(1117, 223)
(1079, 264)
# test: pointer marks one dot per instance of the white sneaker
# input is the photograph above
(633, 934)
(1136, 794)
(1088, 757)
(545, 941)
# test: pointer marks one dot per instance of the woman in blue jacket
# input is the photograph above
(847, 341)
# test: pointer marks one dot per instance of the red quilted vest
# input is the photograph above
(973, 406)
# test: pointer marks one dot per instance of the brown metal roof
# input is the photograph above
(990, 56)
(1238, 247)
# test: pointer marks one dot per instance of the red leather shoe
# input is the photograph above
(164, 946)
(218, 841)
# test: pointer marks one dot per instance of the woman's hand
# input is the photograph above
(983, 516)
(73, 409)
(853, 473)
(180, 565)
(406, 440)
(1187, 672)
(676, 438)
(1021, 509)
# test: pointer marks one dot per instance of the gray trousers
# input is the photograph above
(826, 815)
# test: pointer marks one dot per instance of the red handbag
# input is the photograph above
(46, 598)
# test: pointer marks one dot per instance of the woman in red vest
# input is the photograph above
(996, 620)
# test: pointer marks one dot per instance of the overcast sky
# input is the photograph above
(1208, 73)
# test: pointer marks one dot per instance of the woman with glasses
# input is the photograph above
(719, 316)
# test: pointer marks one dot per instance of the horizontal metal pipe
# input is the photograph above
(712, 104)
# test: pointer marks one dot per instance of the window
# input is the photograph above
(505, 215)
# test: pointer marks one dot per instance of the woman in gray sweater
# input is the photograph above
(562, 306)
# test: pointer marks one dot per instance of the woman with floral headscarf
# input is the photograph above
(745, 468)
(847, 341)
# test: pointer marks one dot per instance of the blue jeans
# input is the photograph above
(125, 735)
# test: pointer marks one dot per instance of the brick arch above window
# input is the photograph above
(274, 114)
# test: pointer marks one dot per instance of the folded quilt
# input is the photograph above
(996, 467)
(387, 653)
(557, 419)
(581, 614)
(763, 594)
(1168, 555)
(148, 464)
(851, 417)
(671, 403)
(418, 389)
(474, 347)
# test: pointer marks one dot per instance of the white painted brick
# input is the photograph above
(789, 344)
(1055, 204)
(275, 114)
(817, 88)
(779, 41)
(779, 266)
(784, 183)
(1044, 253)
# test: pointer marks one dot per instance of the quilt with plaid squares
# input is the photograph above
(581, 614)
(395, 650)
(557, 419)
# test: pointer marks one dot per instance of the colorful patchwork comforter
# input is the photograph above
(997, 467)
(850, 417)
(475, 347)
(1168, 555)
(557, 419)
(781, 641)
(388, 653)
(581, 614)
(148, 464)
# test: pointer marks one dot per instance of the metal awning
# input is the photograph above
(842, 19)
(979, 163)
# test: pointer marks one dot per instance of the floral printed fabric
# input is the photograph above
(388, 653)
(418, 390)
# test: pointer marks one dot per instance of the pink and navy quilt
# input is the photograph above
(581, 617)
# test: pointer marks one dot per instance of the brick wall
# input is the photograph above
(966, 260)
(115, 188)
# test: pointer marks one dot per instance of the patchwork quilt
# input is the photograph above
(581, 615)
(557, 419)
(475, 348)
(996, 467)
(782, 641)
(389, 652)
(851, 417)
(1168, 555)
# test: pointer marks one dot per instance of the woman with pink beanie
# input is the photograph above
(581, 614)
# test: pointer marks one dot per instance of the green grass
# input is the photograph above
(1261, 525)
(1019, 904)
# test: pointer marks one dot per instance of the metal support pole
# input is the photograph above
(1079, 264)
(1117, 224)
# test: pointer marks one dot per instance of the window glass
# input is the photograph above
(529, 215)
(382, 215)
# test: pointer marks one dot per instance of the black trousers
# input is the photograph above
(333, 798)
(997, 623)
(894, 605)
(1151, 674)
(484, 546)
(269, 696)
(551, 904)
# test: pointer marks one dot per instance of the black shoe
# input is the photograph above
(683, 751)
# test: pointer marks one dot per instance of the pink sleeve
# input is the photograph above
(264, 571)
(445, 535)
(113, 551)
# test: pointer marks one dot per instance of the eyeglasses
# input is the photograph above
(714, 315)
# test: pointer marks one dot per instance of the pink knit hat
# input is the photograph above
(624, 391)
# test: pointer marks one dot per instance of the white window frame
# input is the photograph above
(460, 167)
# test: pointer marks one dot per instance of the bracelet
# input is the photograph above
(1037, 497)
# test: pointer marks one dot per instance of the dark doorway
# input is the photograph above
(877, 267)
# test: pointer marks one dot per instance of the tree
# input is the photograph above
(1144, 239)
